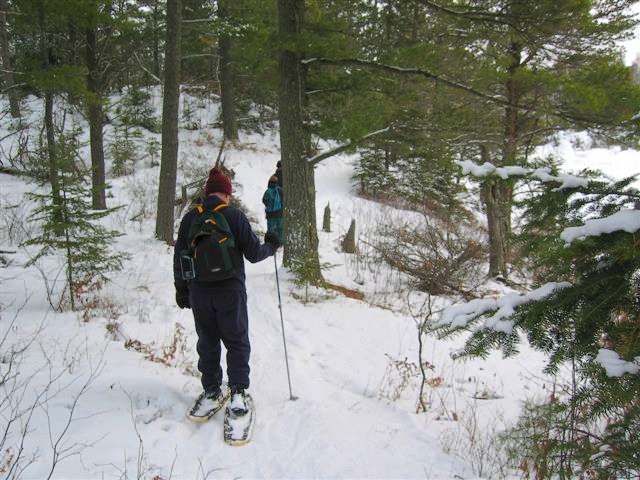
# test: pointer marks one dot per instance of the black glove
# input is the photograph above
(182, 298)
(273, 239)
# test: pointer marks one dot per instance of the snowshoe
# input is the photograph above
(206, 406)
(239, 417)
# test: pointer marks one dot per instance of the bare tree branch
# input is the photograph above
(146, 70)
(335, 151)
(409, 71)
(468, 13)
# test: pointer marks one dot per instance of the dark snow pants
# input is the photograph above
(221, 315)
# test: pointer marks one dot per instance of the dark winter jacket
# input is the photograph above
(246, 241)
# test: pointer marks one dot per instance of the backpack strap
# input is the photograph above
(200, 207)
(212, 221)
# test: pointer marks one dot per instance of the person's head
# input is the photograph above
(218, 184)
(278, 165)
(273, 181)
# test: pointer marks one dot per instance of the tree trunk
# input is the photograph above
(49, 130)
(497, 194)
(156, 39)
(7, 68)
(170, 107)
(299, 183)
(96, 123)
(227, 102)
(54, 168)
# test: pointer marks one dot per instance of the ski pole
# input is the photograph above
(284, 340)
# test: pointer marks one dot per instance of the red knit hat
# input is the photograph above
(217, 182)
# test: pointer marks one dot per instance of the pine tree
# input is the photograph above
(554, 65)
(600, 310)
(72, 229)
(487, 80)
(596, 313)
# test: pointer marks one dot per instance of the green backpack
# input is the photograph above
(212, 255)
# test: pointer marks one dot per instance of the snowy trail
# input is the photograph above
(338, 428)
(326, 418)
(319, 346)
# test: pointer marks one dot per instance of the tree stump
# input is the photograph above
(326, 219)
(349, 241)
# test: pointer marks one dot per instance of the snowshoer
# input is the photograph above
(272, 200)
(220, 307)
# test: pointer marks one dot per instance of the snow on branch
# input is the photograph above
(543, 174)
(614, 365)
(565, 180)
(459, 316)
(625, 220)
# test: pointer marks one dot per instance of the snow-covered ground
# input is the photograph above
(94, 409)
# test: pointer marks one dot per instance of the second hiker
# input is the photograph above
(272, 200)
